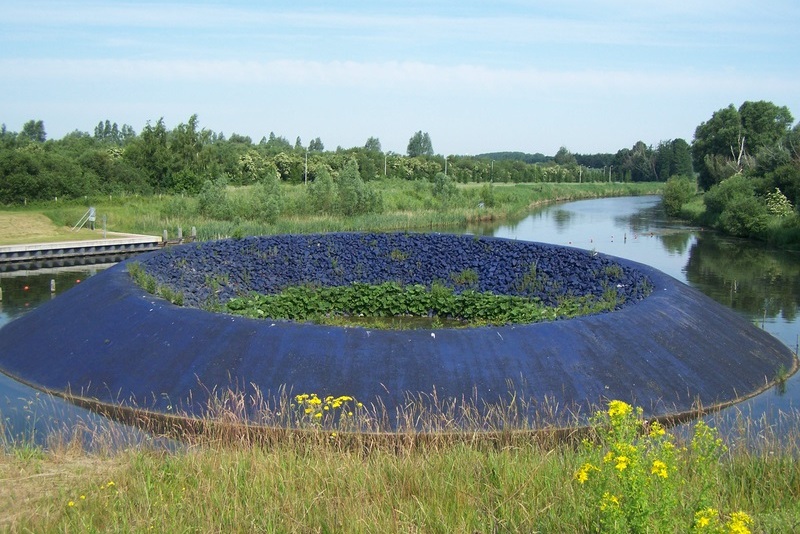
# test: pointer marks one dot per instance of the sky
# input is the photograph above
(478, 76)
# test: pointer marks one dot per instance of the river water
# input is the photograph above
(760, 283)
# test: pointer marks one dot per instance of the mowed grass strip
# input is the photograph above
(18, 228)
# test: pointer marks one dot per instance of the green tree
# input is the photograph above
(150, 152)
(564, 157)
(673, 158)
(732, 139)
(213, 199)
(268, 195)
(444, 189)
(322, 193)
(33, 131)
(420, 145)
(354, 196)
(763, 124)
(715, 143)
(373, 144)
(316, 145)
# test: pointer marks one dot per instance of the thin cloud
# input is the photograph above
(393, 75)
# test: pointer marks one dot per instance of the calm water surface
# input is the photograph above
(761, 284)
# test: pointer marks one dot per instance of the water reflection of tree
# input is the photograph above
(756, 280)
(561, 218)
(675, 242)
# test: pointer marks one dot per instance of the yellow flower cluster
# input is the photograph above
(609, 501)
(314, 406)
(633, 477)
(618, 408)
(707, 520)
(659, 469)
(583, 473)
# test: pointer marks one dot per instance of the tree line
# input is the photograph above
(756, 140)
(116, 159)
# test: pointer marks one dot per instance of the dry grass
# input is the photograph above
(31, 480)
(30, 227)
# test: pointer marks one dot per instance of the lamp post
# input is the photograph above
(305, 173)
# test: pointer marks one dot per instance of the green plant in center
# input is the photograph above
(332, 305)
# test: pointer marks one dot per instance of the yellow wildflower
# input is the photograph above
(71, 504)
(656, 430)
(622, 463)
(617, 408)
(706, 518)
(583, 473)
(608, 457)
(659, 469)
(609, 500)
(738, 523)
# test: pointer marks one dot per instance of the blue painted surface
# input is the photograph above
(107, 339)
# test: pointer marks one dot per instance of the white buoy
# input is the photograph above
(52, 286)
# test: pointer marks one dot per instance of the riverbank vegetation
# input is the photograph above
(748, 172)
(623, 476)
(236, 210)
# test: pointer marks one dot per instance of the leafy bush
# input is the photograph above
(721, 195)
(355, 197)
(678, 191)
(213, 200)
(444, 189)
(778, 204)
(321, 193)
(744, 216)
(268, 198)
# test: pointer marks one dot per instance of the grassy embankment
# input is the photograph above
(406, 206)
(322, 480)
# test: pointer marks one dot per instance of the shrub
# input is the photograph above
(778, 204)
(678, 191)
(744, 216)
(721, 195)
(213, 200)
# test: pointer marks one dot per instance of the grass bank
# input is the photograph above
(626, 476)
(406, 205)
